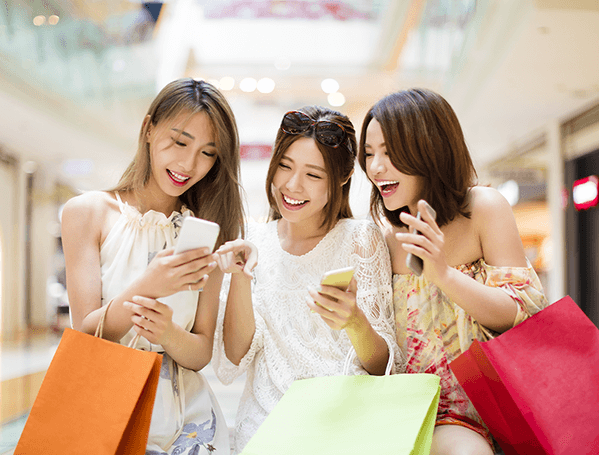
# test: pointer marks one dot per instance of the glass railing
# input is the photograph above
(433, 47)
(64, 53)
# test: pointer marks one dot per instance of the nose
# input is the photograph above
(187, 161)
(378, 164)
(294, 184)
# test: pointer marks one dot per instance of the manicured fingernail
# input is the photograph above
(431, 211)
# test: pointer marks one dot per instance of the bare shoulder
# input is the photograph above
(494, 220)
(89, 204)
(486, 201)
(88, 213)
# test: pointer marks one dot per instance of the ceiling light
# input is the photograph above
(248, 84)
(266, 85)
(39, 20)
(119, 65)
(336, 99)
(53, 20)
(29, 167)
(511, 191)
(282, 63)
(214, 82)
(76, 167)
(226, 83)
(329, 85)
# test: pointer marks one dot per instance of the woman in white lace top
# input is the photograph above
(278, 325)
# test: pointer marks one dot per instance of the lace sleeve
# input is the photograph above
(225, 370)
(375, 293)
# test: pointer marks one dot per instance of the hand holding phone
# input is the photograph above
(339, 278)
(415, 263)
(196, 233)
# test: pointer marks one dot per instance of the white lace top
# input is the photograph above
(290, 341)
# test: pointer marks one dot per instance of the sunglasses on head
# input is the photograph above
(327, 133)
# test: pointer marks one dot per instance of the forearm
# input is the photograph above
(116, 323)
(489, 306)
(190, 350)
(118, 318)
(371, 348)
(239, 323)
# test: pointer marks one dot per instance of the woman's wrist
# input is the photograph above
(444, 280)
(358, 323)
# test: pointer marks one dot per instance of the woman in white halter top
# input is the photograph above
(118, 250)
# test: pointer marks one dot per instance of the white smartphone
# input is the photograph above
(414, 263)
(196, 233)
(339, 278)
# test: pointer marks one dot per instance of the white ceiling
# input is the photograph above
(520, 65)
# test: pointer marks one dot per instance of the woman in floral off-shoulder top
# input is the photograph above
(277, 329)
(476, 281)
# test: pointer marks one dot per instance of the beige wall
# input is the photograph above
(11, 294)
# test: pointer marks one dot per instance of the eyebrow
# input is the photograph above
(185, 133)
(383, 144)
(313, 166)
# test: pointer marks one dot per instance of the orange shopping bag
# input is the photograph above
(96, 397)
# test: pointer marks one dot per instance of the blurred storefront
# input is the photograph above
(582, 211)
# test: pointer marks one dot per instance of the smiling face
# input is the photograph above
(300, 183)
(397, 189)
(182, 152)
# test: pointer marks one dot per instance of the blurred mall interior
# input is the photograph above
(77, 76)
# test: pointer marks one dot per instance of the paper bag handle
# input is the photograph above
(100, 328)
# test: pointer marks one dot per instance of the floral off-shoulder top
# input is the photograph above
(438, 330)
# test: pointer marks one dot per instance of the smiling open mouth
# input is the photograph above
(177, 178)
(387, 186)
(294, 203)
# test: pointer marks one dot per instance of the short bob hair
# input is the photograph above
(220, 187)
(423, 138)
(339, 164)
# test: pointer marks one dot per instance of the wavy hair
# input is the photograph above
(423, 138)
(220, 188)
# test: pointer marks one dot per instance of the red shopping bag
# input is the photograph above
(536, 386)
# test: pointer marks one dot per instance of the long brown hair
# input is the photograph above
(217, 196)
(338, 162)
(423, 137)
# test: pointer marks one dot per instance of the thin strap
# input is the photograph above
(119, 200)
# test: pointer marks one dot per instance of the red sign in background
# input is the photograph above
(255, 151)
(585, 192)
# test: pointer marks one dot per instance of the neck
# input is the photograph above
(299, 238)
(149, 199)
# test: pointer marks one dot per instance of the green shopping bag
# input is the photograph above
(344, 415)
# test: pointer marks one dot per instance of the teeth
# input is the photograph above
(386, 182)
(292, 201)
(178, 177)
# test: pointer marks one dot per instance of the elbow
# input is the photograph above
(234, 355)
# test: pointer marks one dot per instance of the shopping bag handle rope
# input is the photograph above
(100, 328)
